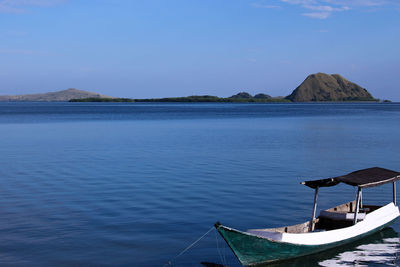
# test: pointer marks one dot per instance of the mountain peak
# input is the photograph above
(325, 87)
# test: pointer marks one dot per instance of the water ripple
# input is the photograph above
(133, 185)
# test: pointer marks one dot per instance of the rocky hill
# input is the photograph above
(245, 95)
(64, 95)
(325, 87)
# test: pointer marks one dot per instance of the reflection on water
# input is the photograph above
(380, 252)
(379, 249)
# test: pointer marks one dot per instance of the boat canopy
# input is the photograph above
(363, 178)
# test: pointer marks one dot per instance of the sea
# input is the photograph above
(142, 184)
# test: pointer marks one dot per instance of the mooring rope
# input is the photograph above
(223, 260)
(190, 246)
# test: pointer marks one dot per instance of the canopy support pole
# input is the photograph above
(358, 198)
(394, 193)
(314, 210)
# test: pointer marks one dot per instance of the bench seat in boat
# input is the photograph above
(341, 216)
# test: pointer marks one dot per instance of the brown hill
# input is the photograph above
(325, 87)
(60, 96)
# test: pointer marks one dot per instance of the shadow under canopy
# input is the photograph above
(364, 178)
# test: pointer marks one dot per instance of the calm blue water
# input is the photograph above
(134, 184)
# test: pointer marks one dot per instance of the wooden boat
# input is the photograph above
(333, 227)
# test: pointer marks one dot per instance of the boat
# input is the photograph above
(333, 227)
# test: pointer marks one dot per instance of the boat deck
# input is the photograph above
(334, 218)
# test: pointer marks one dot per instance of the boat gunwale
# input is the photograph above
(327, 245)
(350, 240)
(217, 225)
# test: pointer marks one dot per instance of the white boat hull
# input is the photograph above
(373, 220)
(263, 245)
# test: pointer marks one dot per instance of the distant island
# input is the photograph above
(242, 97)
(319, 87)
(60, 96)
(325, 87)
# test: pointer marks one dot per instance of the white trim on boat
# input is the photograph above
(372, 221)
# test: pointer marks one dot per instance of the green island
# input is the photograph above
(239, 98)
(318, 87)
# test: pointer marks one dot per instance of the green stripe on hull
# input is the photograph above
(253, 250)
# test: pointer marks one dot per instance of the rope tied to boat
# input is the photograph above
(223, 258)
(189, 247)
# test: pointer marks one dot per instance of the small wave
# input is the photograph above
(384, 253)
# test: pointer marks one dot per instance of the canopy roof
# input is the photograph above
(363, 178)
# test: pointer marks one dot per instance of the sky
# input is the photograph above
(166, 48)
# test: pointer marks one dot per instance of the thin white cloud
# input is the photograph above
(300, 2)
(323, 9)
(360, 3)
(259, 5)
(317, 15)
(326, 8)
(22, 6)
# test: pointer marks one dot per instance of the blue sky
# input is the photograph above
(160, 48)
